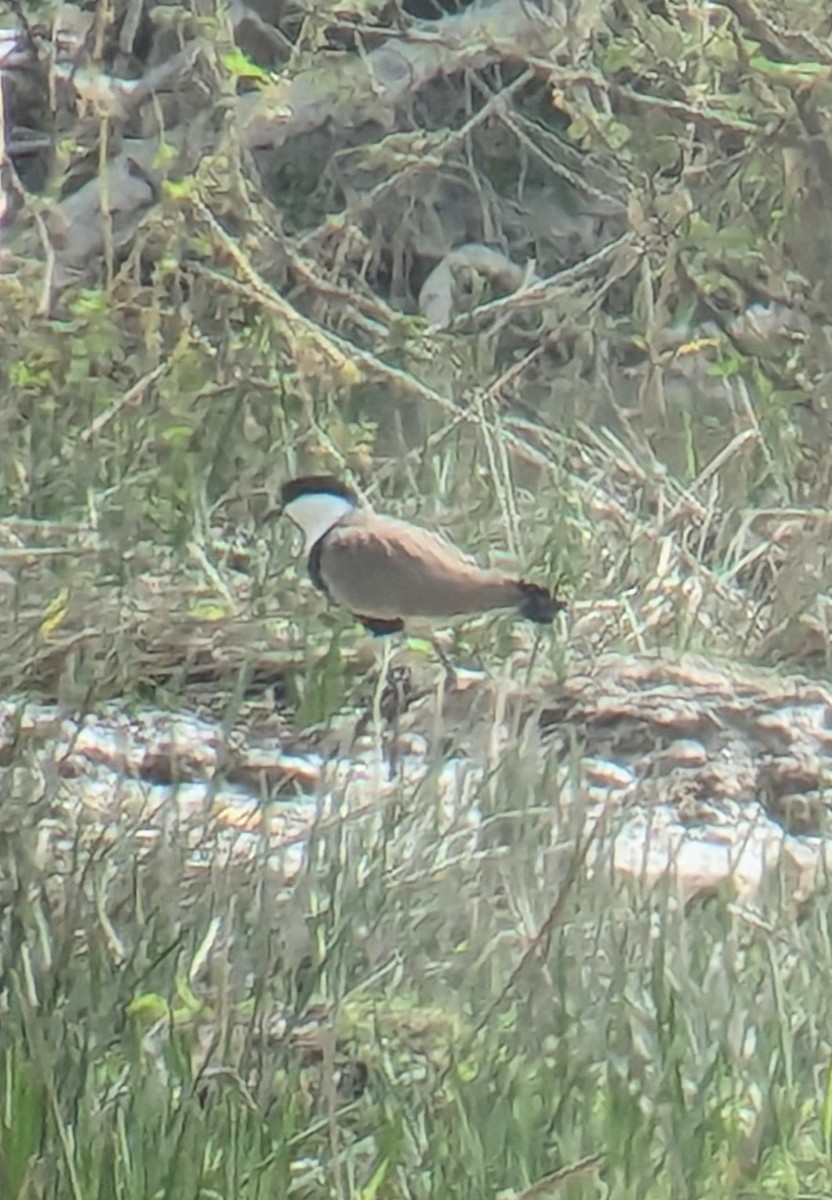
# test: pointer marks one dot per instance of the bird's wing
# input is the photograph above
(387, 568)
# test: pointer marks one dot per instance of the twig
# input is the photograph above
(128, 399)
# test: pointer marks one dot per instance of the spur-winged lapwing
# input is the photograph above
(392, 575)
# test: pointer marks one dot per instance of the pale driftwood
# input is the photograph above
(436, 298)
(358, 88)
(128, 192)
(128, 188)
(365, 86)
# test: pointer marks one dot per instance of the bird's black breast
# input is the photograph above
(314, 566)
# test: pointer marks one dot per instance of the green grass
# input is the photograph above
(171, 1034)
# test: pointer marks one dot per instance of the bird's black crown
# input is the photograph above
(316, 485)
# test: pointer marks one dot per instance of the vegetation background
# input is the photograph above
(556, 278)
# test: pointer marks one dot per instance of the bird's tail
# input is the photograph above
(537, 604)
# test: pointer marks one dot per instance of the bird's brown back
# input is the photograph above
(381, 567)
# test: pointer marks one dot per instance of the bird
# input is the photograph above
(392, 575)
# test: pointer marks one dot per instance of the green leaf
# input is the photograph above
(239, 64)
(149, 1007)
(796, 72)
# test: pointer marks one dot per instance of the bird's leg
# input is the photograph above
(381, 683)
(378, 693)
(450, 669)
(538, 637)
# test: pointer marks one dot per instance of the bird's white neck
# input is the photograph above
(316, 513)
